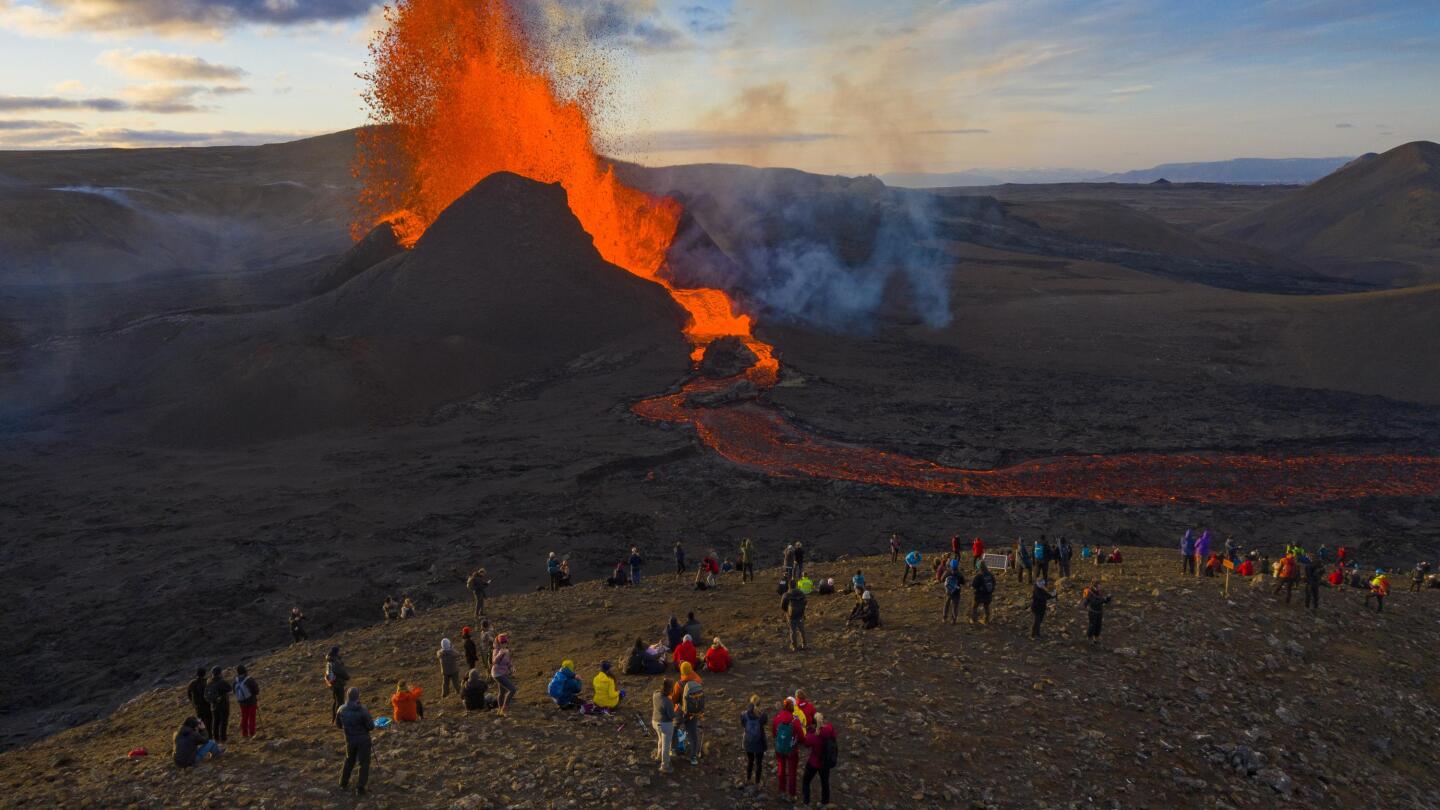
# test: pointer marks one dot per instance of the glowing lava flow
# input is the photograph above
(460, 91)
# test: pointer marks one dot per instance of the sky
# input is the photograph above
(838, 86)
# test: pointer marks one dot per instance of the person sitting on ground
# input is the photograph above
(618, 577)
(717, 658)
(473, 692)
(826, 586)
(1085, 553)
(692, 626)
(869, 611)
(1213, 564)
(565, 686)
(1336, 578)
(635, 662)
(711, 566)
(390, 608)
(405, 703)
(565, 580)
(192, 744)
(407, 609)
(674, 633)
(1116, 558)
(1247, 568)
(687, 674)
(702, 579)
(607, 696)
(685, 653)
(805, 585)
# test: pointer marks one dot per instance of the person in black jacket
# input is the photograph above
(1094, 602)
(297, 625)
(337, 676)
(1064, 553)
(793, 606)
(192, 745)
(1314, 575)
(984, 587)
(196, 693)
(472, 655)
(353, 719)
(217, 694)
(473, 692)
(1039, 599)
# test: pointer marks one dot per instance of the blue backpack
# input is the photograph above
(1039, 552)
(785, 738)
(952, 584)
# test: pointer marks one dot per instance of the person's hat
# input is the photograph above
(503, 638)
(465, 631)
(604, 666)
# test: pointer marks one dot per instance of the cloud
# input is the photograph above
(64, 135)
(1344, 126)
(704, 20)
(69, 87)
(635, 25)
(138, 99)
(1132, 89)
(208, 18)
(953, 132)
(32, 103)
(12, 124)
(168, 66)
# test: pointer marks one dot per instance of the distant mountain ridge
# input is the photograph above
(1260, 171)
(986, 177)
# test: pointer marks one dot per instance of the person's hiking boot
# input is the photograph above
(694, 760)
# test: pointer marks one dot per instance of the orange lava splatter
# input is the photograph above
(459, 91)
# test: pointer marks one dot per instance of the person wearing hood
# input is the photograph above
(691, 708)
(1039, 599)
(1187, 552)
(983, 586)
(449, 659)
(692, 626)
(788, 732)
(247, 694)
(674, 633)
(198, 701)
(192, 745)
(217, 694)
(607, 695)
(687, 674)
(355, 721)
(1202, 550)
(472, 655)
(405, 704)
(565, 685)
(869, 611)
(502, 669)
(717, 658)
(685, 652)
(473, 694)
(824, 747)
(753, 720)
(338, 677)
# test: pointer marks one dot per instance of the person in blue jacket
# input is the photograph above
(858, 583)
(1042, 560)
(912, 568)
(754, 721)
(565, 686)
(1187, 553)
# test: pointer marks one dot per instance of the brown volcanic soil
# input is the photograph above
(927, 714)
(197, 550)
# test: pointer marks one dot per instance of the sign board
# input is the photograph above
(996, 562)
(1229, 565)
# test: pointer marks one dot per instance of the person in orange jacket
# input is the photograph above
(685, 653)
(687, 674)
(406, 704)
(717, 658)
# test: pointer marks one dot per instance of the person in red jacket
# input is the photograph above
(717, 658)
(805, 708)
(1247, 568)
(685, 652)
(977, 550)
(820, 761)
(955, 544)
(788, 734)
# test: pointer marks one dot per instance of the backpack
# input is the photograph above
(952, 584)
(693, 701)
(829, 753)
(242, 689)
(682, 741)
(785, 738)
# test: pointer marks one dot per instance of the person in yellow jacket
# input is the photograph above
(606, 695)
(1379, 589)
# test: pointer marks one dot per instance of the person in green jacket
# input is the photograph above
(747, 561)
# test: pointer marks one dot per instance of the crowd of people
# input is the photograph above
(481, 672)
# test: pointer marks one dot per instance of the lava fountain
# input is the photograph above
(459, 90)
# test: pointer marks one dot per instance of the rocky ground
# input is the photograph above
(1191, 699)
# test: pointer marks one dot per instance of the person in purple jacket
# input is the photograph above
(1187, 553)
(1202, 550)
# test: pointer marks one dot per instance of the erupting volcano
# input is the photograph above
(462, 90)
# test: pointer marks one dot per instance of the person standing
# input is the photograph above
(478, 582)
(984, 588)
(636, 562)
(894, 547)
(198, 701)
(1417, 577)
(912, 568)
(1379, 589)
(799, 559)
(788, 732)
(753, 721)
(679, 560)
(1094, 601)
(977, 550)
(824, 746)
(787, 562)
(1187, 552)
(338, 677)
(485, 648)
(954, 582)
(217, 693)
(247, 695)
(1042, 558)
(449, 660)
(552, 569)
(355, 722)
(1063, 555)
(502, 669)
(1314, 575)
(472, 655)
(1039, 600)
(692, 709)
(1202, 550)
(391, 608)
(297, 625)
(793, 606)
(1025, 562)
(1232, 550)
(747, 561)
(662, 719)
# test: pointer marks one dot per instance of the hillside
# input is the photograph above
(1377, 218)
(1184, 683)
(1260, 171)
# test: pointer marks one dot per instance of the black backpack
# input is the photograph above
(693, 700)
(829, 753)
